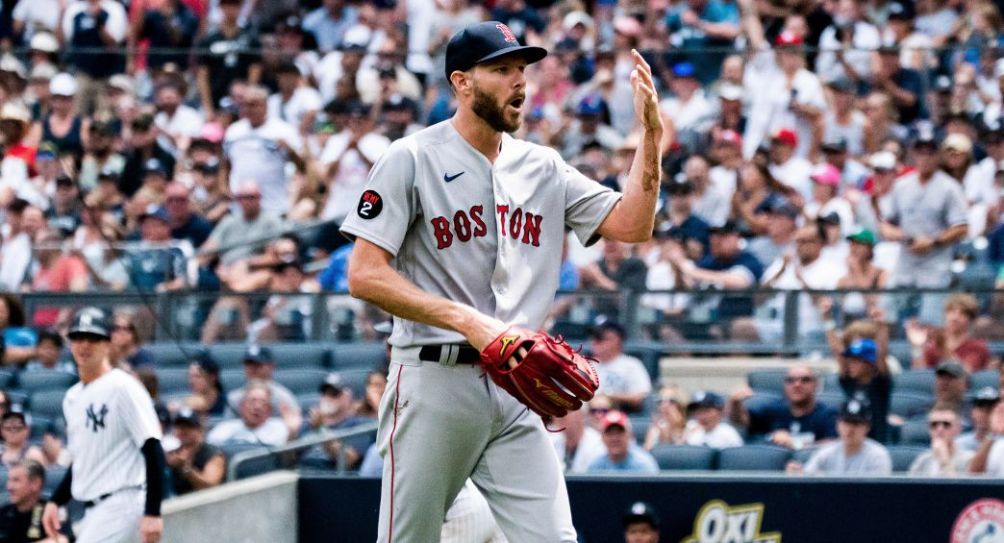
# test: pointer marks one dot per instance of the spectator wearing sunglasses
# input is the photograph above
(945, 458)
(795, 422)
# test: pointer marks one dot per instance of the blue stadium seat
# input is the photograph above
(47, 403)
(35, 381)
(903, 456)
(17, 397)
(914, 432)
(909, 404)
(252, 467)
(761, 399)
(53, 476)
(230, 355)
(917, 381)
(985, 378)
(830, 381)
(833, 398)
(308, 400)
(354, 380)
(39, 425)
(172, 380)
(358, 355)
(803, 455)
(639, 425)
(6, 379)
(170, 354)
(300, 380)
(684, 457)
(771, 381)
(300, 355)
(753, 458)
(232, 379)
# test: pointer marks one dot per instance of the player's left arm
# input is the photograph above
(632, 219)
(143, 427)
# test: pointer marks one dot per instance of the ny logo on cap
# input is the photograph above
(509, 36)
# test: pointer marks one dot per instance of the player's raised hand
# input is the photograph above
(646, 100)
(150, 529)
(50, 520)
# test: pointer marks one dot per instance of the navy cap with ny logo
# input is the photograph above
(485, 41)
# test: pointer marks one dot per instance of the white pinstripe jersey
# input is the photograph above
(485, 234)
(107, 422)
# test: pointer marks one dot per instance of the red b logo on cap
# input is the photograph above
(509, 36)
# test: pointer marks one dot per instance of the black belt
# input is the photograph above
(465, 354)
(103, 497)
(95, 501)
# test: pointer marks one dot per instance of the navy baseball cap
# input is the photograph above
(641, 512)
(485, 41)
(856, 410)
(90, 322)
(706, 399)
(257, 354)
(155, 211)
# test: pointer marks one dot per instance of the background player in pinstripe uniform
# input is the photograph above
(114, 437)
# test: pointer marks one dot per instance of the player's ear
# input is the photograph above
(461, 81)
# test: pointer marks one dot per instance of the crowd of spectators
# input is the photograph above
(216, 146)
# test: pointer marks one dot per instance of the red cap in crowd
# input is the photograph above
(786, 136)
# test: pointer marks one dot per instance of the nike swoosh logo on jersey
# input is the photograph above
(447, 177)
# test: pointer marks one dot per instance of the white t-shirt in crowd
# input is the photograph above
(303, 101)
(348, 181)
(255, 154)
(589, 449)
(722, 436)
(271, 434)
(623, 375)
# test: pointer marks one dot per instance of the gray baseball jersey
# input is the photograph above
(107, 422)
(487, 235)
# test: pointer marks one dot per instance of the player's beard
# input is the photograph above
(486, 107)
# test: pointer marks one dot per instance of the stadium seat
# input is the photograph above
(761, 399)
(753, 458)
(232, 379)
(572, 331)
(684, 457)
(908, 404)
(39, 425)
(300, 355)
(17, 397)
(833, 398)
(771, 381)
(903, 456)
(4, 496)
(308, 400)
(355, 380)
(172, 380)
(230, 355)
(300, 380)
(803, 455)
(358, 355)
(53, 476)
(916, 381)
(6, 379)
(250, 468)
(639, 425)
(36, 381)
(170, 354)
(985, 378)
(830, 382)
(47, 403)
(914, 432)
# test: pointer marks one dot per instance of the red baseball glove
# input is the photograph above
(542, 372)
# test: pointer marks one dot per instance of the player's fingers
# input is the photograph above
(645, 78)
(639, 60)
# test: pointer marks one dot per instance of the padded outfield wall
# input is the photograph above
(725, 508)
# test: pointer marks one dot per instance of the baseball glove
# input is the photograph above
(542, 372)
